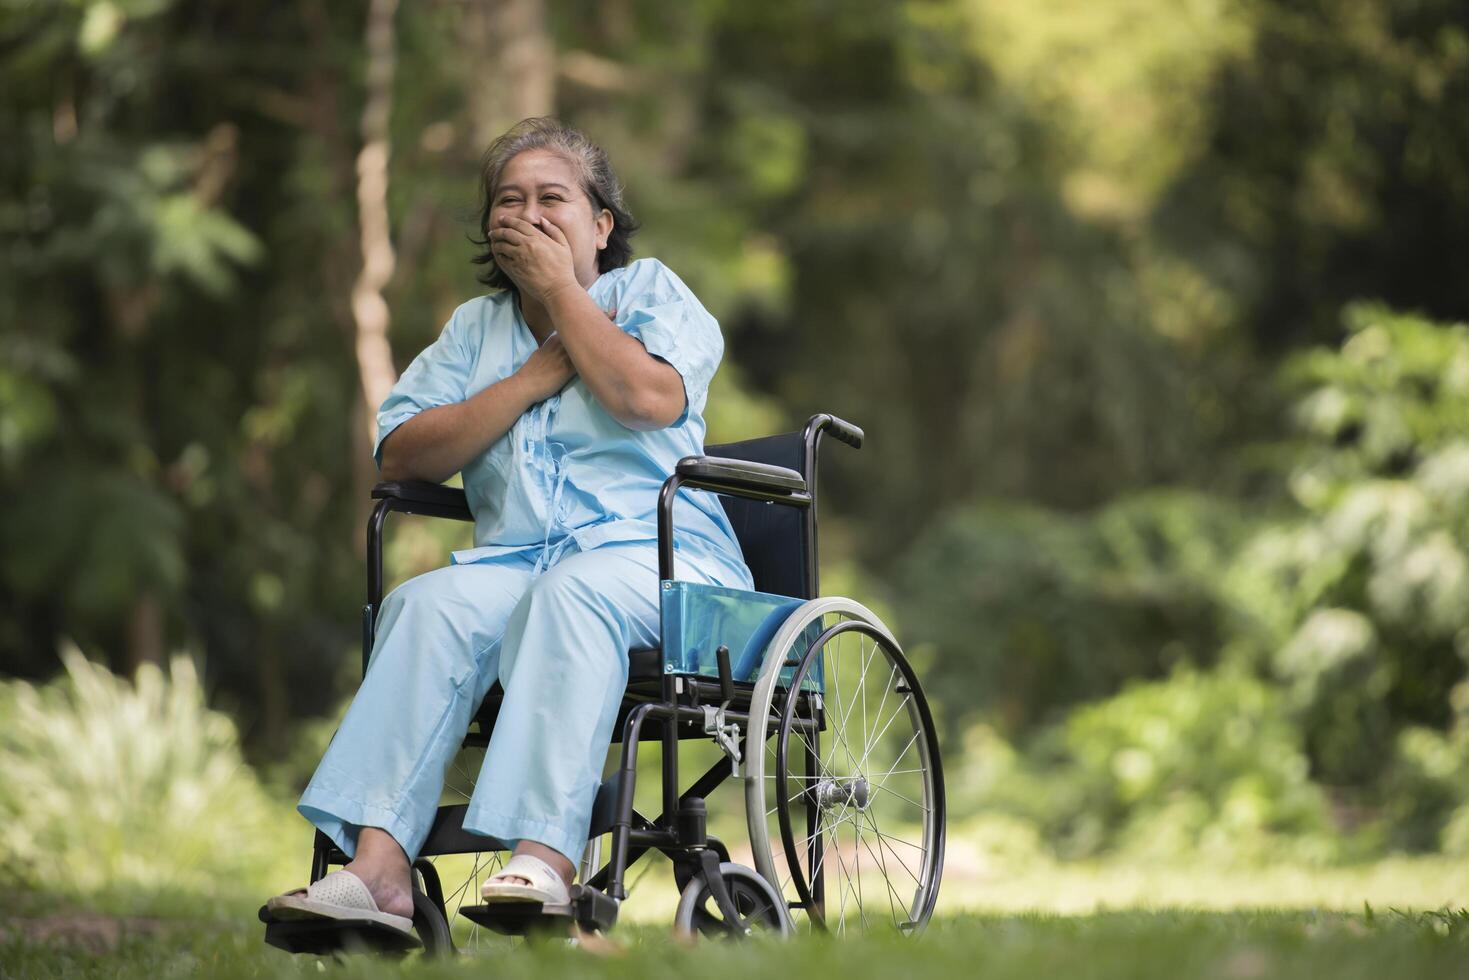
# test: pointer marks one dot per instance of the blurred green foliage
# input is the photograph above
(1316, 655)
(1022, 612)
(1361, 602)
(1200, 763)
(127, 793)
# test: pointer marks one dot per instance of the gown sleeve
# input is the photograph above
(438, 376)
(663, 313)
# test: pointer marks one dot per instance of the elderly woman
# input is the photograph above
(565, 398)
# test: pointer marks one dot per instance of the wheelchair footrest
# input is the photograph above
(588, 908)
(321, 937)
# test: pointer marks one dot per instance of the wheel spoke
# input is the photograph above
(838, 717)
(881, 859)
(857, 860)
(881, 787)
(847, 887)
(873, 744)
(887, 685)
(916, 732)
(883, 839)
(454, 899)
(846, 883)
(838, 731)
(829, 832)
(812, 749)
(862, 683)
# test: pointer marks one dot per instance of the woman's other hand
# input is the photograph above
(535, 254)
(549, 368)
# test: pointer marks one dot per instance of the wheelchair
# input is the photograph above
(809, 699)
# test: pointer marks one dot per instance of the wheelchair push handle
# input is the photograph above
(839, 429)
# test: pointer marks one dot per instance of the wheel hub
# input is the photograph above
(852, 791)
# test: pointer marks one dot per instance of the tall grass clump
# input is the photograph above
(138, 790)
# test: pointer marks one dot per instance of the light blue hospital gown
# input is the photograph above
(563, 581)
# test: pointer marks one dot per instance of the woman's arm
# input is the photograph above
(439, 442)
(635, 387)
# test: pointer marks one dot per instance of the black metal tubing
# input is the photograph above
(623, 839)
(375, 525)
(842, 431)
(752, 489)
(670, 752)
(818, 872)
(322, 847)
(622, 828)
(427, 499)
(669, 493)
(422, 497)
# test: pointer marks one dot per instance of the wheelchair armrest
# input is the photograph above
(429, 499)
(741, 473)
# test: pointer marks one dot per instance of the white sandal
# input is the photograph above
(546, 886)
(340, 895)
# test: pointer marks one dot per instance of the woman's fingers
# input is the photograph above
(551, 231)
(513, 236)
(520, 226)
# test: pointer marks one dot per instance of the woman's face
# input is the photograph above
(539, 184)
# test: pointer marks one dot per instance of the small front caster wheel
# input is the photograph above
(760, 908)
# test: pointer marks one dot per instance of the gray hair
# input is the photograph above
(594, 174)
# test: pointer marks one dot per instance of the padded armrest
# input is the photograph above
(742, 473)
(433, 499)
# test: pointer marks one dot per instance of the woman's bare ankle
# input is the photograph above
(383, 867)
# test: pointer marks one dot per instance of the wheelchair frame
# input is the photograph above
(677, 707)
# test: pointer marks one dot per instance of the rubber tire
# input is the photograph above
(432, 927)
(696, 893)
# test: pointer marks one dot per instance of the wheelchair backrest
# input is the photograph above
(772, 537)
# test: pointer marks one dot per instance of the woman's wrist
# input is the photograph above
(516, 390)
(555, 295)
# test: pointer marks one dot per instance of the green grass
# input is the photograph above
(1118, 944)
(1397, 918)
(1418, 883)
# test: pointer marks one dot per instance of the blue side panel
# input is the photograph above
(698, 618)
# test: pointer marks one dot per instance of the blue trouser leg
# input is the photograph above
(564, 667)
(436, 653)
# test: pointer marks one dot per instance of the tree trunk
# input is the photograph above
(508, 39)
(145, 632)
(369, 308)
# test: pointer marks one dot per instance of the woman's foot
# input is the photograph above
(384, 869)
(534, 873)
(558, 862)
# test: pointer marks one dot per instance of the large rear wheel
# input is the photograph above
(844, 796)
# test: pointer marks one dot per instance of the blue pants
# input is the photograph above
(558, 644)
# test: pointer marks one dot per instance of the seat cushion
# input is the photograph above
(644, 665)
